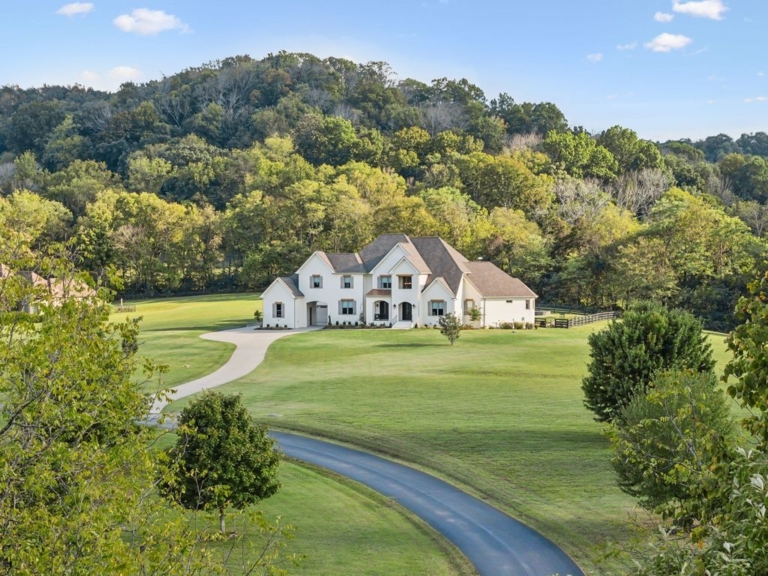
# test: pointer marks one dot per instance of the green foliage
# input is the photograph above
(747, 373)
(77, 471)
(330, 153)
(627, 356)
(450, 327)
(666, 439)
(222, 458)
(580, 156)
(631, 153)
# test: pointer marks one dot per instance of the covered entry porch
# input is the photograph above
(317, 314)
(378, 307)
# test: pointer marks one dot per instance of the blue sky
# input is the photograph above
(666, 68)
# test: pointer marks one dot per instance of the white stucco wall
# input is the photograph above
(469, 292)
(331, 292)
(435, 291)
(497, 310)
(278, 292)
(410, 295)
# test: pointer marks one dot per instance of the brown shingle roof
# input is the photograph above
(380, 293)
(374, 252)
(292, 282)
(492, 282)
(444, 261)
(346, 263)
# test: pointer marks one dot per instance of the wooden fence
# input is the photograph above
(578, 320)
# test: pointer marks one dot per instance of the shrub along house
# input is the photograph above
(399, 281)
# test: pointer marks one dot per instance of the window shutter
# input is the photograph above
(274, 309)
(341, 281)
(354, 307)
(351, 281)
(339, 307)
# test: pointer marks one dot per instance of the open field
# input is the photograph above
(171, 329)
(500, 413)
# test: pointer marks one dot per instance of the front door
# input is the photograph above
(407, 312)
(383, 313)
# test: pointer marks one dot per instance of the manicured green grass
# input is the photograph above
(171, 329)
(341, 527)
(344, 528)
(500, 413)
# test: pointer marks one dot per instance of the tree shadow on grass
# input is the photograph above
(410, 345)
(204, 328)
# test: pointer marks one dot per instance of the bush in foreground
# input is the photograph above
(627, 356)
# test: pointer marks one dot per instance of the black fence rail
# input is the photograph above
(577, 321)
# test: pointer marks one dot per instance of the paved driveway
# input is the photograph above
(251, 348)
(495, 543)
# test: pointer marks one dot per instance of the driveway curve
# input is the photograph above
(497, 544)
(251, 348)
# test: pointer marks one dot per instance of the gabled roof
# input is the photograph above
(493, 282)
(444, 261)
(374, 252)
(415, 257)
(437, 280)
(290, 282)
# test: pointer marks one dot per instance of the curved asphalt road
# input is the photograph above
(495, 543)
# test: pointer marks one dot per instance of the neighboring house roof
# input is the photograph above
(493, 282)
(374, 252)
(379, 293)
(345, 263)
(444, 261)
(292, 283)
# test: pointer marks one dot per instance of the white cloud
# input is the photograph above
(668, 42)
(595, 57)
(758, 99)
(625, 47)
(90, 77)
(125, 73)
(761, 74)
(146, 22)
(75, 9)
(664, 17)
(712, 9)
(710, 102)
(612, 97)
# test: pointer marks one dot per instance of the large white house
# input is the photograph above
(400, 281)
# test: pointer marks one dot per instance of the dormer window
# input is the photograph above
(385, 282)
(347, 282)
(316, 281)
(406, 282)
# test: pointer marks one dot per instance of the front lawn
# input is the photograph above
(171, 329)
(500, 413)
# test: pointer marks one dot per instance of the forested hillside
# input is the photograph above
(226, 175)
